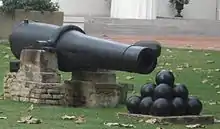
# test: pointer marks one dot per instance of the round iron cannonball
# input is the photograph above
(194, 106)
(180, 90)
(132, 104)
(147, 90)
(163, 91)
(179, 106)
(145, 105)
(161, 107)
(166, 77)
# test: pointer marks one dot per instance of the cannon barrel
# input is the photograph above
(78, 51)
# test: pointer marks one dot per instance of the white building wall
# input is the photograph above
(197, 9)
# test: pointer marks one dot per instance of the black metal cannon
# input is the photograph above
(78, 51)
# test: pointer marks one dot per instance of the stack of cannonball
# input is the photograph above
(165, 98)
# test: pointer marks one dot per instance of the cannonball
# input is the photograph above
(161, 107)
(163, 91)
(133, 103)
(147, 90)
(166, 77)
(145, 105)
(179, 106)
(194, 106)
(180, 90)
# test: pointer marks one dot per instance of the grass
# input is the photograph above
(200, 72)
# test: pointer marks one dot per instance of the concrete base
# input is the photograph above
(38, 81)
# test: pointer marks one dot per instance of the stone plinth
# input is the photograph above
(38, 81)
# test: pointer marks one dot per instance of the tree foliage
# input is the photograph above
(180, 1)
(9, 6)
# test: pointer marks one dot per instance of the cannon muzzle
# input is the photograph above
(78, 51)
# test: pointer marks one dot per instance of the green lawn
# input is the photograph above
(200, 72)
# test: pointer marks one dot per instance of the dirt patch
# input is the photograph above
(204, 43)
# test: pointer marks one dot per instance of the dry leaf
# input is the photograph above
(218, 86)
(29, 120)
(152, 121)
(210, 61)
(34, 121)
(168, 50)
(167, 64)
(6, 56)
(197, 69)
(217, 70)
(207, 54)
(141, 120)
(179, 69)
(120, 125)
(3, 117)
(129, 77)
(80, 120)
(212, 103)
(195, 126)
(31, 108)
(66, 117)
(216, 121)
(204, 81)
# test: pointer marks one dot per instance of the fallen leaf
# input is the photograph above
(197, 69)
(204, 81)
(152, 121)
(31, 108)
(29, 120)
(212, 103)
(3, 117)
(120, 125)
(80, 120)
(141, 120)
(217, 70)
(216, 121)
(34, 121)
(210, 61)
(6, 56)
(159, 128)
(195, 126)
(207, 54)
(66, 117)
(218, 86)
(179, 69)
(167, 64)
(209, 76)
(168, 50)
(129, 78)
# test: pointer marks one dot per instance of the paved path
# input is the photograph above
(205, 43)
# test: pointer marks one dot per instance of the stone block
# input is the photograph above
(42, 77)
(52, 102)
(57, 97)
(37, 101)
(99, 77)
(46, 96)
(24, 99)
(33, 60)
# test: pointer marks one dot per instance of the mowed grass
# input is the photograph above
(199, 70)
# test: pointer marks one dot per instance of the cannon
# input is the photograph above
(77, 51)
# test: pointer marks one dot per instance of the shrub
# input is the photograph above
(9, 6)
